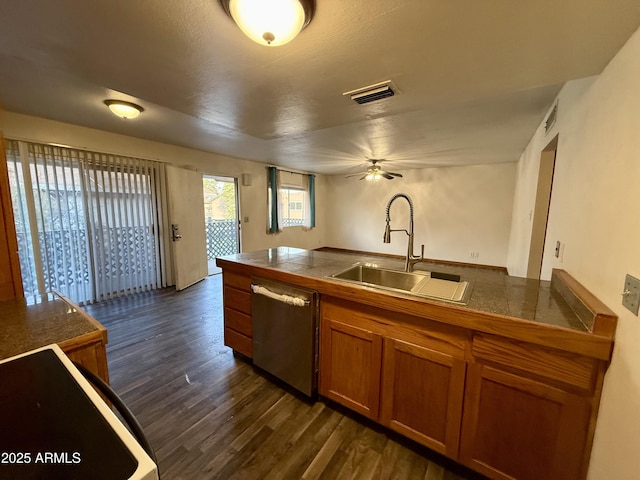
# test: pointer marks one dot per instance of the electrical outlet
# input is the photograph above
(631, 294)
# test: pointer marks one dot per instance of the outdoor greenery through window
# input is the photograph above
(221, 217)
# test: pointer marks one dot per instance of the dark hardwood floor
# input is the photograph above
(211, 415)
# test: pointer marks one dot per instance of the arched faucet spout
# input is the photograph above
(411, 259)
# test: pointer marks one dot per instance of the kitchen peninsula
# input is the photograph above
(48, 319)
(507, 384)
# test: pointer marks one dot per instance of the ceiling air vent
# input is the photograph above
(551, 119)
(372, 93)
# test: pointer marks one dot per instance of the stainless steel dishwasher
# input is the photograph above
(285, 333)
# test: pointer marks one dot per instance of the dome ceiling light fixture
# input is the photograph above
(124, 109)
(270, 22)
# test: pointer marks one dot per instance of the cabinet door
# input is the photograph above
(92, 356)
(518, 428)
(350, 360)
(422, 394)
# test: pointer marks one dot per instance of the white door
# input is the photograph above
(186, 214)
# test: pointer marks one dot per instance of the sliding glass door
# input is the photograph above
(89, 225)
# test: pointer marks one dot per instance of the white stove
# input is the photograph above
(54, 425)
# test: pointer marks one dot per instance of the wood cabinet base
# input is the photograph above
(506, 409)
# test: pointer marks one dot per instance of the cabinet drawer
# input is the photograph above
(417, 330)
(241, 282)
(239, 300)
(240, 322)
(565, 367)
(239, 342)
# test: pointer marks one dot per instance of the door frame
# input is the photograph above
(236, 187)
(541, 209)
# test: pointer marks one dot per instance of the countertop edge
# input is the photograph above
(595, 344)
(101, 329)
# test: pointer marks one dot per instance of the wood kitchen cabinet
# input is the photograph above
(10, 277)
(527, 411)
(422, 392)
(395, 372)
(350, 364)
(55, 319)
(237, 312)
(511, 398)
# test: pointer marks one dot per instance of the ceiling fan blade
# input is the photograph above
(386, 175)
(363, 177)
(391, 173)
(353, 175)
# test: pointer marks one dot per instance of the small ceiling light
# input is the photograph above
(124, 109)
(373, 175)
(270, 22)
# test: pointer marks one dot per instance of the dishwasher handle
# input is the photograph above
(280, 297)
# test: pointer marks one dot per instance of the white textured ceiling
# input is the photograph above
(475, 77)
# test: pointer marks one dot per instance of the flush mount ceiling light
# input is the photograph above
(124, 109)
(270, 22)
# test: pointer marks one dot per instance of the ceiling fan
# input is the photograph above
(375, 173)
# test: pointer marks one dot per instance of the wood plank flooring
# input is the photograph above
(211, 415)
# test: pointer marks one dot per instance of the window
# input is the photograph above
(295, 200)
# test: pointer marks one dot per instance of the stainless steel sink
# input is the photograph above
(380, 277)
(421, 284)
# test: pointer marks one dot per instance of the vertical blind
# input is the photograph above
(90, 225)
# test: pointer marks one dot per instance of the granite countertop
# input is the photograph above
(29, 324)
(493, 291)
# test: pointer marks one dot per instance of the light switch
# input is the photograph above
(631, 294)
(246, 219)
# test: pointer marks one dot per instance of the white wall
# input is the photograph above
(593, 212)
(457, 210)
(252, 198)
(527, 179)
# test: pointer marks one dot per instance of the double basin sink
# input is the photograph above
(433, 285)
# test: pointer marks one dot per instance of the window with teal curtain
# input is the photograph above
(291, 200)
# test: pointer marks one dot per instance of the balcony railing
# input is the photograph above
(65, 259)
(62, 274)
(222, 238)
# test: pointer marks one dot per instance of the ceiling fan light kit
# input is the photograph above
(124, 109)
(270, 22)
(373, 176)
(375, 173)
